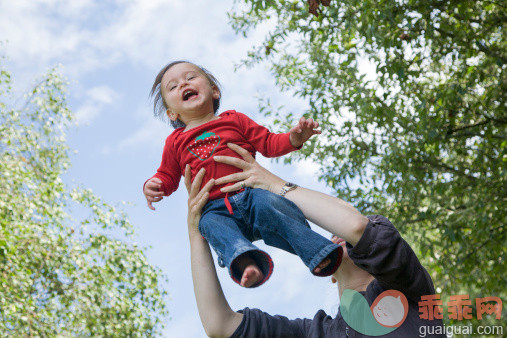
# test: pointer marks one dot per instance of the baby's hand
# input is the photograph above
(152, 191)
(301, 132)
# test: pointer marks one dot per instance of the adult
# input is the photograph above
(375, 259)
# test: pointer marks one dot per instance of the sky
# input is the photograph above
(110, 51)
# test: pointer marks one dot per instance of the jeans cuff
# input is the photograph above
(263, 261)
(333, 252)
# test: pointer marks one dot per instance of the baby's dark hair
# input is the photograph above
(160, 106)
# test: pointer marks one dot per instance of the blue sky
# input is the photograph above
(111, 51)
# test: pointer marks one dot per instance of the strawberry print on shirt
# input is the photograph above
(204, 145)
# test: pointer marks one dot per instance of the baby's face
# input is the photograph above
(187, 92)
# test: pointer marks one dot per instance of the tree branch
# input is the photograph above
(481, 46)
(480, 123)
(445, 167)
(469, 134)
(499, 4)
(486, 50)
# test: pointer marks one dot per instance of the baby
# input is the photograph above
(230, 222)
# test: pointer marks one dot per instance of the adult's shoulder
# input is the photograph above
(257, 323)
(384, 254)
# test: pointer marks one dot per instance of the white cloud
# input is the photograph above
(86, 114)
(102, 94)
(152, 134)
(90, 35)
(96, 99)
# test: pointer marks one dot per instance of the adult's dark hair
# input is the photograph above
(160, 106)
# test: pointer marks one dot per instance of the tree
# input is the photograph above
(420, 137)
(59, 275)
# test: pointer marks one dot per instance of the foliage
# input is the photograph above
(410, 95)
(60, 276)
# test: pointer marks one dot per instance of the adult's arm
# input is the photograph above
(330, 213)
(217, 317)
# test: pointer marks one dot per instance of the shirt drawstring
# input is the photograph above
(228, 204)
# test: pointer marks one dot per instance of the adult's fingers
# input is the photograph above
(206, 189)
(233, 187)
(232, 178)
(200, 203)
(188, 178)
(234, 161)
(196, 203)
(196, 184)
(242, 152)
(194, 209)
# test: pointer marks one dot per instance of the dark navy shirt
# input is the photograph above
(385, 255)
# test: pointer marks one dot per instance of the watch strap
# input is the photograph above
(287, 187)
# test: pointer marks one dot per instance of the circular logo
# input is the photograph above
(390, 308)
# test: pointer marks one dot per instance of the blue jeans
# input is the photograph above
(260, 214)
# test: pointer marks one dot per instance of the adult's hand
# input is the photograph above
(253, 175)
(196, 198)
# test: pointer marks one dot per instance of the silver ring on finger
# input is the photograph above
(242, 184)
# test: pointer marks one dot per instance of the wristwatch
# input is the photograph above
(287, 187)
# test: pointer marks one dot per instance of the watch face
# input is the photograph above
(288, 187)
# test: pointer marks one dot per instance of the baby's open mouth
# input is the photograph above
(187, 94)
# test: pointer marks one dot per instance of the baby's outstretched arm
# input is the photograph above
(152, 191)
(301, 132)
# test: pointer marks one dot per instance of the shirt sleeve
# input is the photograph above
(256, 323)
(265, 142)
(169, 171)
(383, 253)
